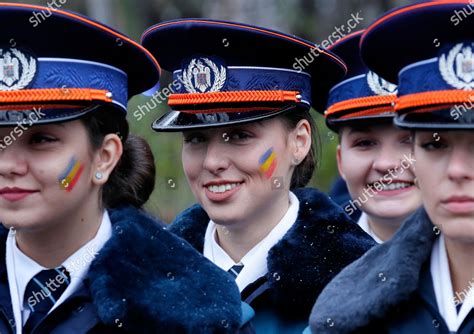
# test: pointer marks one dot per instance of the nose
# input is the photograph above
(461, 165)
(217, 156)
(12, 163)
(387, 159)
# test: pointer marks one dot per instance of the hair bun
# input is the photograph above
(133, 179)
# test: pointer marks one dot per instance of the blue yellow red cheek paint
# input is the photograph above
(268, 163)
(69, 178)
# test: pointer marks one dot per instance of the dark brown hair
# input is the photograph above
(133, 179)
(304, 171)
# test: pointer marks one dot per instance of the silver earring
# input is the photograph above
(99, 175)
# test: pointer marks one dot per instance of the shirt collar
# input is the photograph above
(255, 261)
(77, 264)
(364, 224)
(442, 284)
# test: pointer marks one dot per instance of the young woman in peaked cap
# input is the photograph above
(421, 281)
(374, 157)
(78, 254)
(247, 154)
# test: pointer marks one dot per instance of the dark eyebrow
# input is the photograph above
(356, 130)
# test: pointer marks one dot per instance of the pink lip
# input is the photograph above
(15, 194)
(221, 197)
(458, 204)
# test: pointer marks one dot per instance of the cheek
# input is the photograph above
(192, 164)
(356, 166)
(428, 170)
(71, 173)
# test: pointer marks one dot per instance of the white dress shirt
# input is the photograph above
(21, 269)
(443, 288)
(364, 224)
(255, 261)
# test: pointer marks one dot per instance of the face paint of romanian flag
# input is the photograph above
(71, 175)
(268, 163)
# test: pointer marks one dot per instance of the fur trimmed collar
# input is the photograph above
(150, 281)
(385, 277)
(322, 242)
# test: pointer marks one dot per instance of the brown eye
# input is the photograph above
(194, 139)
(240, 135)
(433, 145)
(41, 139)
(365, 143)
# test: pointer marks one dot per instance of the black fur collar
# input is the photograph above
(151, 280)
(321, 242)
(147, 280)
(386, 276)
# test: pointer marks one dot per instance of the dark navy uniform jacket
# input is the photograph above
(144, 280)
(312, 252)
(389, 290)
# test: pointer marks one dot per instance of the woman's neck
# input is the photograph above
(461, 265)
(384, 229)
(238, 239)
(51, 246)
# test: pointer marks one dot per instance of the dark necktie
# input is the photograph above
(42, 292)
(458, 307)
(235, 270)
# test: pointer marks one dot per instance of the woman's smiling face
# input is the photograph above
(379, 155)
(239, 173)
(45, 174)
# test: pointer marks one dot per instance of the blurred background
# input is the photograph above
(315, 20)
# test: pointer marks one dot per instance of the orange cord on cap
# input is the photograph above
(440, 97)
(386, 110)
(234, 97)
(55, 94)
(229, 110)
(361, 102)
(19, 107)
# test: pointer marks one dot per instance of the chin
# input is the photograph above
(391, 211)
(458, 228)
(223, 216)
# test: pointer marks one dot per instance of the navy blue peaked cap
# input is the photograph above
(361, 96)
(227, 73)
(66, 64)
(428, 49)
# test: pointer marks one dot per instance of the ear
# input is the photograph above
(302, 141)
(339, 162)
(106, 158)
